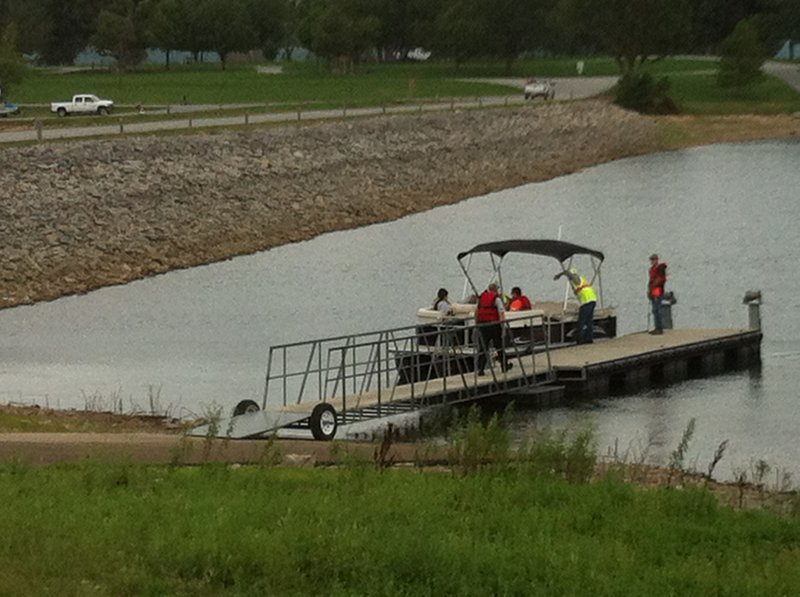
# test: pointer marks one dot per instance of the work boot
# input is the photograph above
(656, 332)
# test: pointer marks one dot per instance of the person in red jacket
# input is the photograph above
(490, 315)
(519, 302)
(655, 291)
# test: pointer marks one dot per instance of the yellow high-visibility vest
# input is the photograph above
(584, 291)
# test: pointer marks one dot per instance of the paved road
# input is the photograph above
(566, 87)
(784, 70)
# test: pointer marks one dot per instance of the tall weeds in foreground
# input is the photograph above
(476, 445)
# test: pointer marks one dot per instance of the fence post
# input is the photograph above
(169, 109)
(190, 122)
(121, 128)
(246, 119)
(39, 130)
(298, 113)
(344, 110)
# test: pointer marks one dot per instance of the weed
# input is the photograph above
(475, 445)
(678, 456)
(382, 456)
(554, 454)
(718, 454)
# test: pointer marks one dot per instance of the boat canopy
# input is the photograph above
(562, 251)
(557, 249)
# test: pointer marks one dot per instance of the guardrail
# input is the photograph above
(418, 365)
(39, 132)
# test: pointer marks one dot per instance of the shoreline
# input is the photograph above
(84, 215)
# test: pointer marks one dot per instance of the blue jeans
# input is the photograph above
(586, 323)
(658, 322)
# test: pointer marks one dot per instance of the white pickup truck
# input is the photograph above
(83, 104)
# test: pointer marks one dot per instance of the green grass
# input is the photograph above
(372, 83)
(124, 530)
(700, 94)
(242, 85)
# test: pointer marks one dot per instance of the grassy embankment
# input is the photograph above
(534, 525)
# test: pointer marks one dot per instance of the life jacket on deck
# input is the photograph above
(487, 310)
(521, 303)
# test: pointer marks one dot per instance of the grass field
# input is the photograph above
(372, 84)
(111, 529)
(700, 94)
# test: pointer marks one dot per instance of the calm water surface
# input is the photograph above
(725, 218)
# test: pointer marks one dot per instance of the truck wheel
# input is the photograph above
(245, 407)
(323, 422)
(61, 112)
(527, 96)
(102, 110)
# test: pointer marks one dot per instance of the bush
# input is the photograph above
(741, 57)
(640, 92)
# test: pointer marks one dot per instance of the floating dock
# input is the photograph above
(322, 384)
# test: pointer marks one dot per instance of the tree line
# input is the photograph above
(345, 32)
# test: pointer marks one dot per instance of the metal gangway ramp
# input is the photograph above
(318, 385)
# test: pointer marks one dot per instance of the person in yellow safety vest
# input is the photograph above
(588, 299)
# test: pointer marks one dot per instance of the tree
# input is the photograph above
(741, 57)
(30, 20)
(714, 20)
(343, 30)
(461, 31)
(12, 67)
(633, 31)
(71, 25)
(511, 27)
(270, 21)
(164, 25)
(224, 26)
(119, 34)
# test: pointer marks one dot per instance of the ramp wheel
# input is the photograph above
(323, 422)
(245, 407)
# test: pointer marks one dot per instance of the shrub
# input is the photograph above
(642, 93)
(741, 57)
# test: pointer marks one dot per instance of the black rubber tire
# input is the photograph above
(323, 422)
(61, 112)
(245, 407)
(102, 110)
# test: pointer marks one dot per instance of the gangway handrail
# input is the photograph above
(409, 355)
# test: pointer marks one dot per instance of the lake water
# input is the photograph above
(725, 219)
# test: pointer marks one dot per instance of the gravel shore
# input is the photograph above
(81, 215)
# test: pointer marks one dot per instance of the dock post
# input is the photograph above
(667, 301)
(752, 298)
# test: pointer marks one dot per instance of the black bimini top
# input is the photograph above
(557, 249)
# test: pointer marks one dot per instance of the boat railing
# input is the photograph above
(420, 365)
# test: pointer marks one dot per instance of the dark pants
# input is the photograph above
(586, 323)
(490, 334)
(658, 321)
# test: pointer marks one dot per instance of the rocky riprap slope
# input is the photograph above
(79, 215)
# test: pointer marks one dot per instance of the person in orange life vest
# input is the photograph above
(587, 299)
(519, 302)
(655, 291)
(490, 315)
